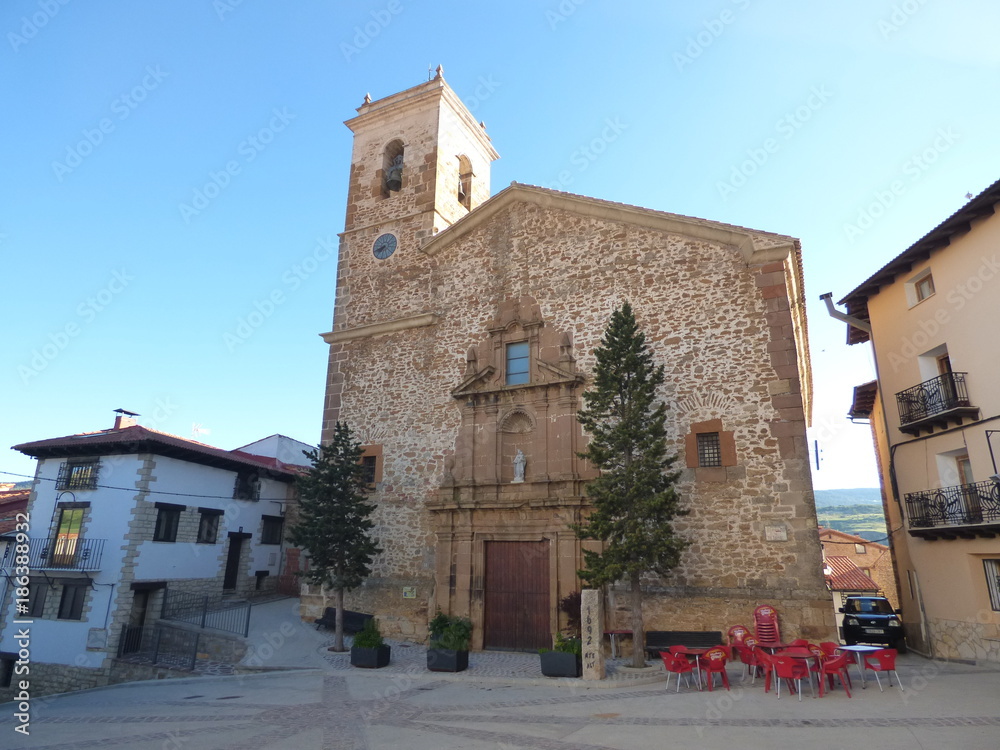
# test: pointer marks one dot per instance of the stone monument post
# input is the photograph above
(592, 632)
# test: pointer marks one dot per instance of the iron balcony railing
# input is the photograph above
(934, 396)
(962, 505)
(59, 554)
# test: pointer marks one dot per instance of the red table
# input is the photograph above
(772, 646)
(690, 651)
(800, 652)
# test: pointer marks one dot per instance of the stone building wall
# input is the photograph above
(723, 330)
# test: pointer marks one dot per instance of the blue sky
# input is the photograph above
(172, 173)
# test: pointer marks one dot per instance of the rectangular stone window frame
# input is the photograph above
(78, 474)
(727, 450)
(168, 517)
(709, 449)
(208, 525)
(271, 529)
(371, 460)
(74, 595)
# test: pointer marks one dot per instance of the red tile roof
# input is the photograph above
(11, 502)
(843, 536)
(847, 576)
(139, 439)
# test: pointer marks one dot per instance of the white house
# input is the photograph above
(120, 518)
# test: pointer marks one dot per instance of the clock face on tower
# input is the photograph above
(385, 245)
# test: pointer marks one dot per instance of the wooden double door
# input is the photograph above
(517, 614)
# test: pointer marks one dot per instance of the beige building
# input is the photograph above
(462, 340)
(873, 560)
(931, 315)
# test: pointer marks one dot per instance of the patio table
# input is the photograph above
(697, 653)
(858, 662)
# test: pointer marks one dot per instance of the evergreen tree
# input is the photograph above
(334, 525)
(634, 499)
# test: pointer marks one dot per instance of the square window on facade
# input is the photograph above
(924, 287)
(247, 486)
(709, 449)
(78, 475)
(208, 526)
(992, 568)
(860, 549)
(167, 519)
(71, 603)
(271, 529)
(517, 363)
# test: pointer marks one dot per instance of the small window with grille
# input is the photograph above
(368, 465)
(709, 449)
(993, 582)
(247, 486)
(78, 475)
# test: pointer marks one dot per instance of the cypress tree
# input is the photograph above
(334, 525)
(634, 499)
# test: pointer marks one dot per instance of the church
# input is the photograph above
(462, 341)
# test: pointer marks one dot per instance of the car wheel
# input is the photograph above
(900, 646)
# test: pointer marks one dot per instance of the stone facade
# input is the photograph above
(417, 368)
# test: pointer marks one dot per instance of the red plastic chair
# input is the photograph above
(751, 664)
(737, 634)
(787, 668)
(800, 642)
(765, 623)
(766, 663)
(677, 665)
(883, 661)
(713, 662)
(836, 666)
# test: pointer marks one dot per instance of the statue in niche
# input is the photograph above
(519, 462)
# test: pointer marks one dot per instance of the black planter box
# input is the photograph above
(370, 658)
(446, 660)
(561, 664)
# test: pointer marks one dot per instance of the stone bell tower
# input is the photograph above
(420, 163)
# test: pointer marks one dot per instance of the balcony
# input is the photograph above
(935, 403)
(58, 554)
(965, 511)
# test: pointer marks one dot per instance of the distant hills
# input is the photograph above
(861, 496)
(855, 511)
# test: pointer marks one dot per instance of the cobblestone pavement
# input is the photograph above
(412, 709)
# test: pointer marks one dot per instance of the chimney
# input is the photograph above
(125, 419)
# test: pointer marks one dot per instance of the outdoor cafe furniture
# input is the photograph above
(737, 634)
(765, 623)
(882, 660)
(713, 662)
(748, 657)
(790, 668)
(805, 659)
(835, 666)
(772, 646)
(692, 654)
(678, 665)
(859, 649)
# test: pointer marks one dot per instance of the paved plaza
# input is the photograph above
(309, 698)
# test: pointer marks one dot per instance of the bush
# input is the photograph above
(448, 632)
(568, 645)
(369, 636)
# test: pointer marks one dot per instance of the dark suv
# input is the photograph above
(871, 619)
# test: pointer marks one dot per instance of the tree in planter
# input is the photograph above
(634, 499)
(334, 526)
